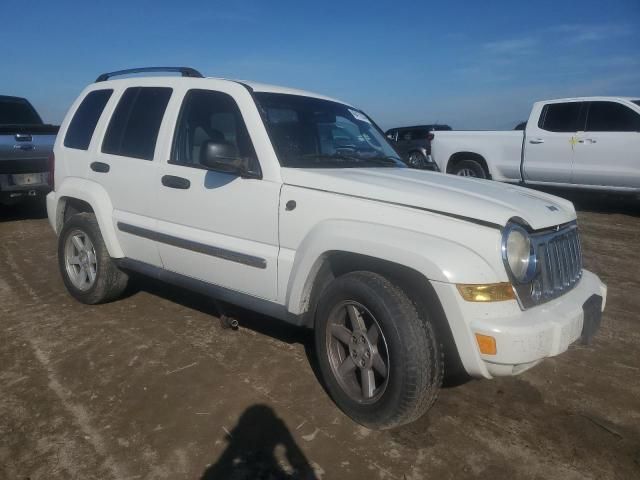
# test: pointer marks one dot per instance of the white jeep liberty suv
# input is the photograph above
(295, 205)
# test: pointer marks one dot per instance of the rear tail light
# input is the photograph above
(52, 170)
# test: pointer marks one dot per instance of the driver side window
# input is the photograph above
(209, 116)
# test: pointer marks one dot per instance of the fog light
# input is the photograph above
(486, 344)
(491, 292)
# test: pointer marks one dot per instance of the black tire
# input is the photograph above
(469, 168)
(414, 357)
(416, 159)
(109, 282)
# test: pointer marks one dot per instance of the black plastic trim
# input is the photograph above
(100, 167)
(230, 255)
(185, 71)
(244, 300)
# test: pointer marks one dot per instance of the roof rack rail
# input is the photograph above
(185, 71)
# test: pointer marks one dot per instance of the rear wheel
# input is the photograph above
(379, 359)
(88, 271)
(469, 168)
(416, 159)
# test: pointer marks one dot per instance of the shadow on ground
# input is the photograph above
(31, 209)
(260, 447)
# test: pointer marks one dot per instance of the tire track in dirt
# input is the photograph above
(78, 412)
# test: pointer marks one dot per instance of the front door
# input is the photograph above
(549, 145)
(214, 226)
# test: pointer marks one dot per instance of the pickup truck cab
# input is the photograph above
(26, 144)
(249, 193)
(589, 143)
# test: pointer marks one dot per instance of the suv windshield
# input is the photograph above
(314, 133)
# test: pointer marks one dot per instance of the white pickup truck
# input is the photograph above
(295, 205)
(590, 142)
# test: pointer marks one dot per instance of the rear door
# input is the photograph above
(550, 143)
(608, 151)
(124, 164)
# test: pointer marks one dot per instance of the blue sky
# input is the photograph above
(470, 64)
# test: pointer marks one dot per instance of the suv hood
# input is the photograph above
(467, 198)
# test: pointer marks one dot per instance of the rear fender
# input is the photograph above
(96, 196)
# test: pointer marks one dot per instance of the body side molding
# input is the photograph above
(230, 255)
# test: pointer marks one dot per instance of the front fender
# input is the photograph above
(434, 257)
(96, 196)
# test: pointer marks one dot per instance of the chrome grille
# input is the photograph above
(560, 260)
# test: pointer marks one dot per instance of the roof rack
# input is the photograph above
(185, 71)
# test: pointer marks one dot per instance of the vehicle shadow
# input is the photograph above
(455, 375)
(257, 322)
(260, 447)
(597, 202)
(31, 209)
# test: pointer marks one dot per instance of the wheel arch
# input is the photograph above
(418, 288)
(77, 195)
(460, 156)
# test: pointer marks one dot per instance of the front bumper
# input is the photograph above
(523, 338)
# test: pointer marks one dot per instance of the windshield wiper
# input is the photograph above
(389, 160)
(340, 158)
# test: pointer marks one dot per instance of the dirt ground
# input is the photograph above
(152, 387)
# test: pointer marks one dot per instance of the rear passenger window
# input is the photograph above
(405, 135)
(85, 119)
(612, 117)
(419, 134)
(561, 117)
(133, 129)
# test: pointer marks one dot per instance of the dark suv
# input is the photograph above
(414, 144)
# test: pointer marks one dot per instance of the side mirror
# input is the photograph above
(224, 157)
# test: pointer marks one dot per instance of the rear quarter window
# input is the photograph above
(84, 121)
(133, 129)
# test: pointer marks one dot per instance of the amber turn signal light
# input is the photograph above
(486, 344)
(490, 292)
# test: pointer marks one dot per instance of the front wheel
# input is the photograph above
(88, 271)
(379, 358)
(469, 168)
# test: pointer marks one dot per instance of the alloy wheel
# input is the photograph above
(357, 351)
(80, 260)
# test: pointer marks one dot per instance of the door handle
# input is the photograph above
(172, 181)
(536, 141)
(100, 167)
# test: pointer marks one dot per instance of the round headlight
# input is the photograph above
(518, 254)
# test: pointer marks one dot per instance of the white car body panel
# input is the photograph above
(445, 228)
(580, 159)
